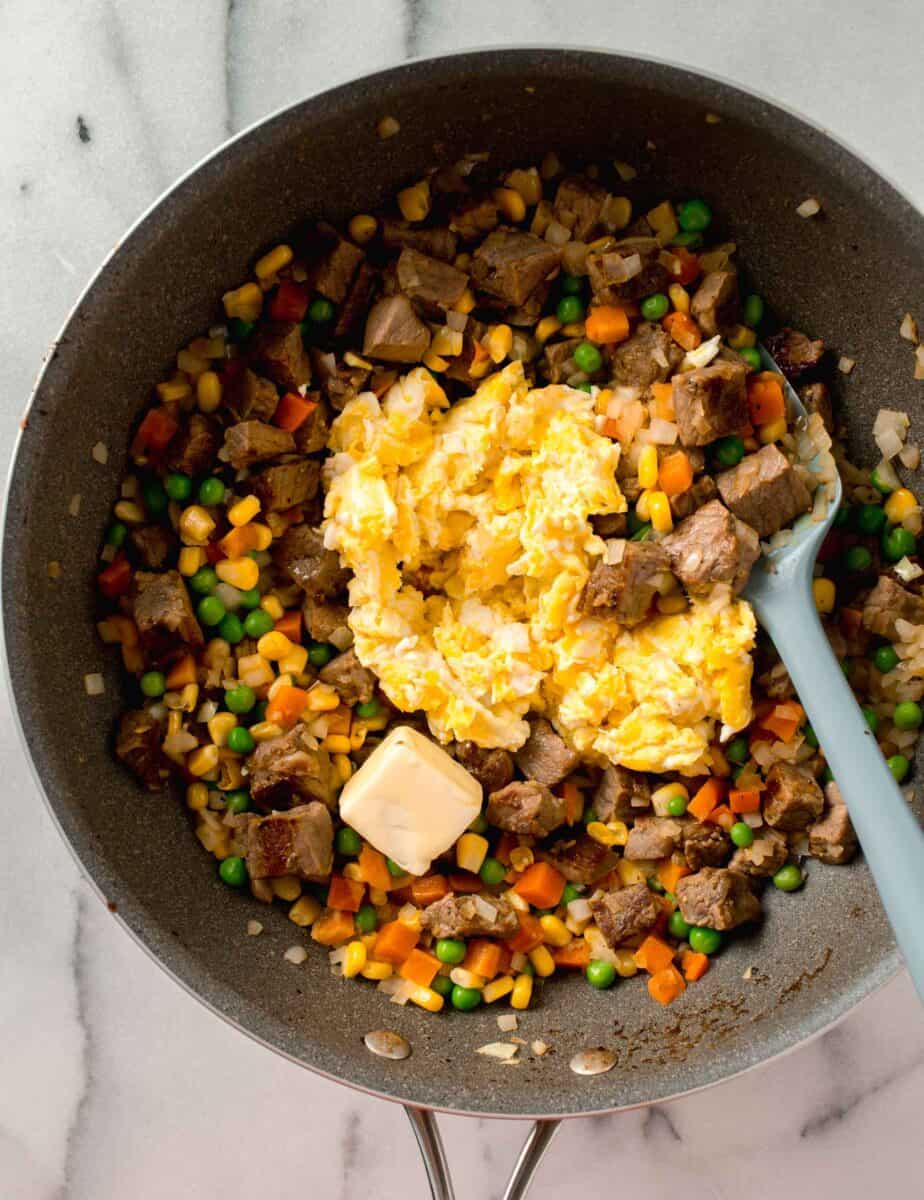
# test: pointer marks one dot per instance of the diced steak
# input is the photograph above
(717, 898)
(653, 837)
(557, 364)
(625, 913)
(298, 842)
(251, 397)
(700, 492)
(311, 436)
(795, 353)
(889, 602)
(347, 676)
(626, 590)
(301, 552)
(286, 770)
(285, 486)
(461, 917)
(250, 442)
(765, 855)
(280, 353)
(193, 449)
(765, 491)
(440, 243)
(322, 620)
(544, 756)
(832, 839)
(492, 768)
(817, 399)
(430, 280)
(715, 302)
(528, 808)
(611, 271)
(792, 800)
(509, 264)
(705, 845)
(332, 274)
(394, 332)
(621, 794)
(473, 219)
(609, 525)
(649, 356)
(162, 606)
(710, 402)
(712, 546)
(353, 308)
(579, 859)
(340, 382)
(154, 545)
(138, 745)
(578, 206)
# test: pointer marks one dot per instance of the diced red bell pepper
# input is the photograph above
(157, 428)
(292, 411)
(116, 579)
(214, 553)
(689, 265)
(230, 371)
(290, 302)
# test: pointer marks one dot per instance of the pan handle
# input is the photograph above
(433, 1153)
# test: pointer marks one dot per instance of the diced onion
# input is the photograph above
(579, 909)
(254, 928)
(457, 320)
(910, 456)
(909, 328)
(176, 744)
(94, 684)
(661, 432)
(557, 234)
(229, 595)
(633, 265)
(919, 363)
(73, 507)
(615, 551)
(845, 365)
(206, 712)
(502, 1050)
(342, 638)
(625, 171)
(100, 453)
(703, 355)
(485, 910)
(574, 258)
(888, 475)
(809, 207)
(889, 430)
(906, 570)
(507, 1022)
(539, 1048)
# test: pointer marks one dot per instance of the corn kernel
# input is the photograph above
(434, 362)
(425, 997)
(601, 833)
(190, 560)
(354, 960)
(264, 536)
(462, 977)
(659, 508)
(377, 897)
(241, 573)
(272, 263)
(305, 911)
(377, 970)
(625, 963)
(663, 221)
(343, 767)
(272, 605)
(556, 934)
(322, 699)
(245, 303)
(669, 606)
(661, 795)
(191, 363)
(208, 392)
(274, 645)
(336, 743)
(546, 327)
(286, 887)
(630, 872)
(173, 390)
(189, 697)
(254, 670)
(280, 681)
(265, 731)
(245, 510)
(202, 761)
(230, 772)
(174, 723)
(499, 342)
(648, 467)
(772, 431)
(414, 201)
(825, 595)
(679, 297)
(358, 737)
(527, 183)
(220, 726)
(518, 902)
(522, 992)
(501, 986)
(521, 857)
(130, 512)
(197, 797)
(196, 526)
(573, 329)
(742, 338)
(543, 963)
(465, 303)
(899, 505)
(471, 851)
(641, 505)
(618, 212)
(362, 228)
(510, 203)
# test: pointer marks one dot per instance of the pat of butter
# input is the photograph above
(410, 800)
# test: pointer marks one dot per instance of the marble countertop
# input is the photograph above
(115, 1083)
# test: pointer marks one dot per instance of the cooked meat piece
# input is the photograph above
(653, 837)
(621, 794)
(285, 770)
(440, 243)
(700, 492)
(138, 745)
(579, 859)
(193, 449)
(333, 274)
(280, 353)
(347, 675)
(609, 525)
(311, 436)
(578, 206)
(340, 382)
(322, 620)
(717, 898)
(154, 544)
(705, 844)
(528, 313)
(648, 356)
(710, 402)
(889, 602)
(765, 855)
(298, 842)
(528, 808)
(795, 353)
(430, 280)
(394, 332)
(279, 488)
(792, 800)
(715, 302)
(251, 442)
(556, 364)
(474, 219)
(609, 270)
(712, 546)
(492, 768)
(544, 756)
(626, 590)
(353, 308)
(509, 264)
(461, 916)
(625, 913)
(832, 839)
(301, 552)
(817, 399)
(765, 491)
(162, 606)
(251, 397)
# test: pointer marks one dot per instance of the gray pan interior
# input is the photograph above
(847, 276)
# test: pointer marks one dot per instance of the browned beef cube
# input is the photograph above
(626, 590)
(792, 800)
(333, 274)
(347, 676)
(649, 356)
(311, 436)
(492, 768)
(510, 264)
(138, 745)
(614, 275)
(440, 243)
(654, 837)
(698, 494)
(468, 916)
(621, 794)
(528, 808)
(626, 913)
(544, 756)
(579, 859)
(251, 397)
(301, 552)
(162, 606)
(154, 545)
(474, 219)
(705, 845)
(557, 364)
(832, 839)
(765, 491)
(285, 486)
(324, 621)
(765, 855)
(251, 442)
(394, 332)
(429, 280)
(194, 447)
(609, 525)
(715, 302)
(889, 602)
(578, 206)
(795, 353)
(817, 399)
(717, 898)
(710, 402)
(280, 353)
(353, 309)
(286, 770)
(712, 546)
(339, 382)
(298, 842)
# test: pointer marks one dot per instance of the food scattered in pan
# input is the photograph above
(427, 575)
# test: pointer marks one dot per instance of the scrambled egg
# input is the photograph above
(468, 532)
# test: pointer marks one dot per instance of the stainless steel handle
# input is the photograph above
(433, 1153)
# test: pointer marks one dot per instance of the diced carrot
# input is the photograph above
(689, 265)
(429, 889)
(683, 329)
(574, 802)
(744, 800)
(722, 816)
(784, 719)
(666, 985)
(575, 954)
(395, 941)
(239, 541)
(606, 324)
(654, 955)
(709, 795)
(528, 936)
(505, 843)
(675, 474)
(333, 927)
(766, 402)
(290, 623)
(483, 957)
(346, 894)
(541, 885)
(506, 954)
(479, 356)
(373, 868)
(669, 873)
(610, 429)
(464, 881)
(694, 965)
(182, 672)
(286, 706)
(419, 966)
(662, 395)
(292, 411)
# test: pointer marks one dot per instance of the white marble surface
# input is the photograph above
(115, 1084)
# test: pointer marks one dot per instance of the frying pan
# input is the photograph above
(846, 276)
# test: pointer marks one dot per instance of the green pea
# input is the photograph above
(842, 516)
(479, 825)
(694, 216)
(655, 306)
(880, 483)
(741, 834)
(257, 623)
(751, 356)
(464, 999)
(738, 750)
(204, 581)
(908, 715)
(240, 740)
(320, 654)
(233, 871)
(729, 451)
(211, 491)
(858, 559)
(348, 842)
(634, 522)
(237, 801)
(885, 659)
(600, 974)
(450, 950)
(367, 919)
(898, 543)
(686, 237)
(442, 984)
(153, 684)
(810, 736)
(154, 497)
(704, 940)
(584, 387)
(571, 285)
(231, 629)
(753, 310)
(899, 766)
(178, 486)
(870, 518)
(250, 598)
(393, 868)
(676, 805)
(587, 358)
(240, 330)
(492, 871)
(571, 892)
(656, 885)
(320, 310)
(211, 611)
(788, 878)
(872, 718)
(258, 712)
(116, 534)
(642, 535)
(367, 709)
(240, 699)
(570, 308)
(737, 772)
(676, 926)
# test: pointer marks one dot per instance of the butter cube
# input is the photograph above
(410, 800)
